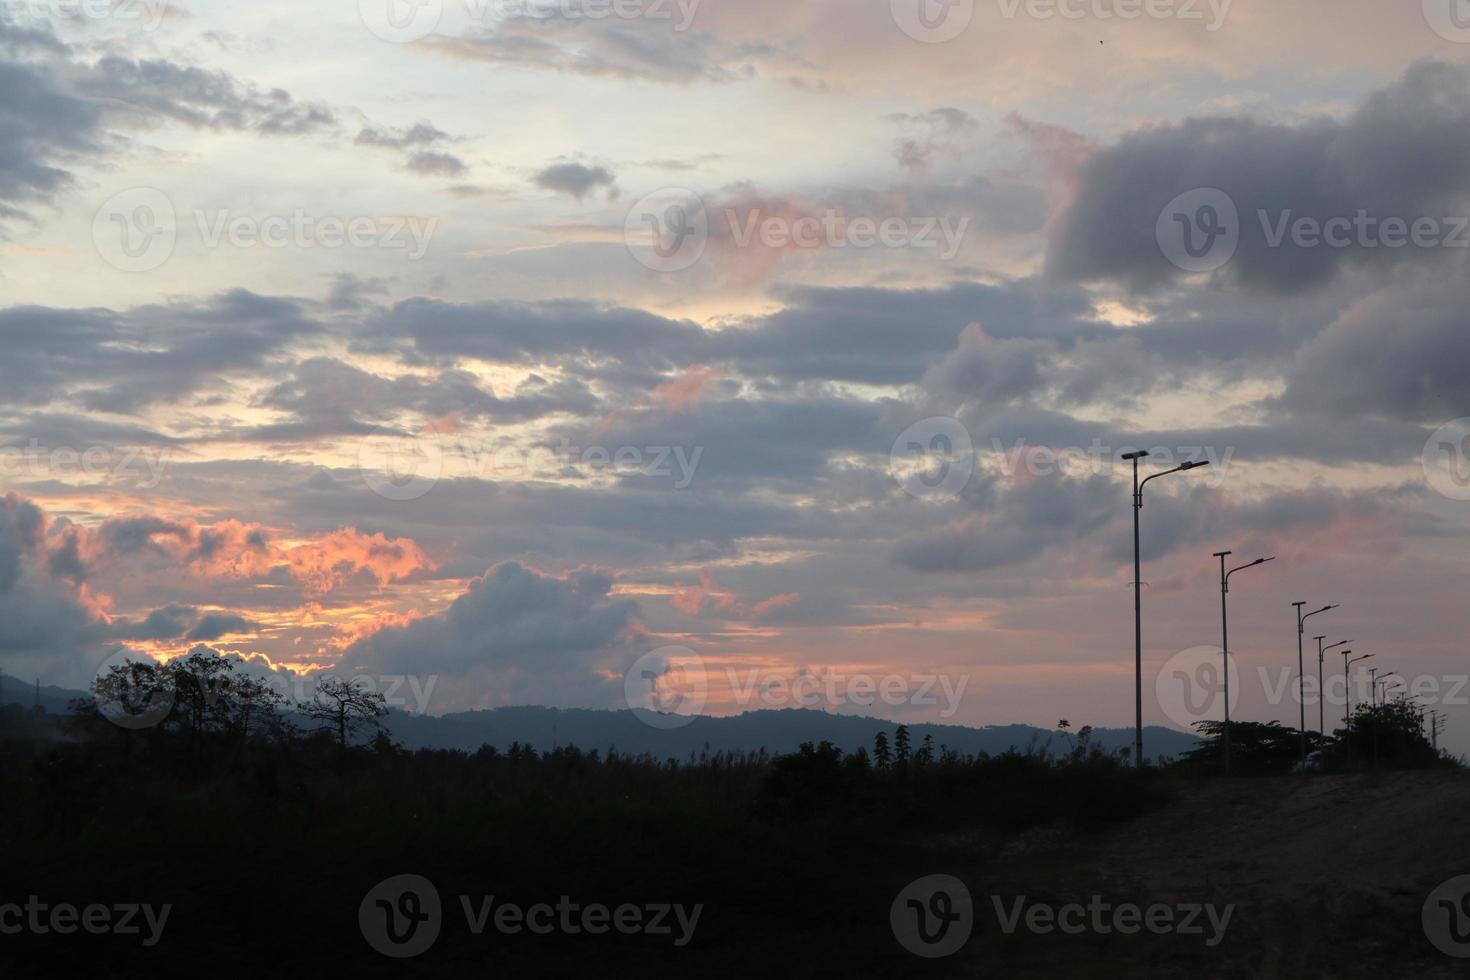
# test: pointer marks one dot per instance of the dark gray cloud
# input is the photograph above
(422, 146)
(646, 49)
(328, 397)
(215, 625)
(43, 127)
(576, 180)
(1403, 154)
(418, 135)
(512, 618)
(121, 362)
(155, 89)
(433, 163)
(1402, 353)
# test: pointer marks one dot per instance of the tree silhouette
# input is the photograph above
(882, 757)
(901, 746)
(343, 707)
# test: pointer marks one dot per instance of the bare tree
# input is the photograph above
(342, 707)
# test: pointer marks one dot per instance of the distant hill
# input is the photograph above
(775, 731)
(14, 690)
(587, 728)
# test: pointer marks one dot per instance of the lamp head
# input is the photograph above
(1139, 454)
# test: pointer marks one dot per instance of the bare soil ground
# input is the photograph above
(1327, 875)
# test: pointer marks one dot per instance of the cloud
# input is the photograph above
(43, 127)
(646, 49)
(576, 180)
(124, 362)
(421, 145)
(1403, 154)
(155, 89)
(513, 618)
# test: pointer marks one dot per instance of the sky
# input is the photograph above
(729, 354)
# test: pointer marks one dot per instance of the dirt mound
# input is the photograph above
(1324, 876)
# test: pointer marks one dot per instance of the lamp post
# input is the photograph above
(1225, 636)
(1321, 684)
(1301, 694)
(1347, 710)
(1383, 683)
(1134, 457)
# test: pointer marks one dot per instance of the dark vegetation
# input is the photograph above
(265, 829)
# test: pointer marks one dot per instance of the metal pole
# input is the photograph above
(1137, 626)
(1300, 691)
(1225, 652)
(1321, 692)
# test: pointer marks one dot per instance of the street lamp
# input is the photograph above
(1321, 685)
(1225, 636)
(1347, 711)
(1134, 457)
(1383, 682)
(1301, 694)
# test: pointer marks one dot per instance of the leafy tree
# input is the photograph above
(1387, 736)
(1255, 748)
